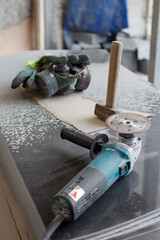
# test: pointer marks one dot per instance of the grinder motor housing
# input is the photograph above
(113, 160)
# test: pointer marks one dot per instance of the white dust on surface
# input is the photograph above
(23, 122)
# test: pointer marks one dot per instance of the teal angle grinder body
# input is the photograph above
(112, 159)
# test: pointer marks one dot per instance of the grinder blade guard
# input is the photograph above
(128, 125)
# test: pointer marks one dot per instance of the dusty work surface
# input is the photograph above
(47, 163)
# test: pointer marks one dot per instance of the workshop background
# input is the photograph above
(49, 24)
(40, 24)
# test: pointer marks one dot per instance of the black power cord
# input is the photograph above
(53, 226)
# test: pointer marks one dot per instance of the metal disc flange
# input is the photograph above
(128, 123)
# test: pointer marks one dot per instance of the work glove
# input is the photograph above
(52, 74)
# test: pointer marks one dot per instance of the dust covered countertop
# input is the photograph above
(47, 163)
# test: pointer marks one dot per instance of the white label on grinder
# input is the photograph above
(76, 193)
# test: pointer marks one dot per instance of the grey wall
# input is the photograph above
(13, 12)
(55, 11)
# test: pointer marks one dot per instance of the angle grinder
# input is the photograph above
(112, 159)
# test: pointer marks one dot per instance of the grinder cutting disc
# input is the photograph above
(128, 123)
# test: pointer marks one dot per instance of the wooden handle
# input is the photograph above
(114, 67)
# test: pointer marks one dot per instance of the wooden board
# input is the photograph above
(12, 224)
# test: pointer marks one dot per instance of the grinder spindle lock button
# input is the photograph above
(123, 169)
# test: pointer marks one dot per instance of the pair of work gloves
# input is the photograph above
(52, 74)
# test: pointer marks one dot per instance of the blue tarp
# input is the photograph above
(94, 16)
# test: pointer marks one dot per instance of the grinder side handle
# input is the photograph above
(77, 137)
(83, 140)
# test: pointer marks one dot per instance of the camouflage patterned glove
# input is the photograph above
(53, 73)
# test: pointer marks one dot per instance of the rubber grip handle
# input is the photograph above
(114, 67)
(77, 137)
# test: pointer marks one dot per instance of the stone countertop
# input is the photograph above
(47, 164)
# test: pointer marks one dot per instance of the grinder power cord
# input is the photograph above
(112, 159)
(52, 74)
